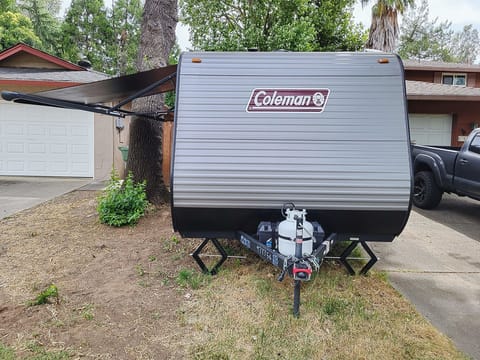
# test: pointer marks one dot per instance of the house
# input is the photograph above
(443, 101)
(49, 141)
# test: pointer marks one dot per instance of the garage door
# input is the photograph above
(431, 129)
(43, 141)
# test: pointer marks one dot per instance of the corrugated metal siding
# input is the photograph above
(354, 155)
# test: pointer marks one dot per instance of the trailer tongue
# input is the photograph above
(301, 249)
(295, 246)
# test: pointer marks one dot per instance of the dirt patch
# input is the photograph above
(117, 291)
(134, 293)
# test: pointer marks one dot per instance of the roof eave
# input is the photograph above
(49, 83)
(442, 97)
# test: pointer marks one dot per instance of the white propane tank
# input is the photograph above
(287, 232)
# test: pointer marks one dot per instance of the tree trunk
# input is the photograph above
(384, 31)
(145, 148)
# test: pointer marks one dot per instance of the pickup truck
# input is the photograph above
(439, 169)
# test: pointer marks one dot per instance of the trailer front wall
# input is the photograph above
(348, 164)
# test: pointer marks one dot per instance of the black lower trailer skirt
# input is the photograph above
(353, 225)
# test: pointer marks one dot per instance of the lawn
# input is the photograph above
(135, 293)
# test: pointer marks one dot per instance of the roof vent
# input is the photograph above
(85, 64)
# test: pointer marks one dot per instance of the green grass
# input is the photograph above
(6, 353)
(35, 352)
(45, 296)
(245, 313)
(187, 278)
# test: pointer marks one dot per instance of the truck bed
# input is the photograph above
(447, 154)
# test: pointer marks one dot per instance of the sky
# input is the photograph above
(459, 12)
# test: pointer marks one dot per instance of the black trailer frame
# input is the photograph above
(291, 265)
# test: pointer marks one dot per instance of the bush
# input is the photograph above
(122, 203)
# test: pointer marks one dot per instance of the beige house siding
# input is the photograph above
(107, 140)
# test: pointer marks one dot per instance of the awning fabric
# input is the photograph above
(91, 97)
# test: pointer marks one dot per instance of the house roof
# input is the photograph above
(419, 90)
(439, 66)
(45, 75)
(25, 49)
(21, 64)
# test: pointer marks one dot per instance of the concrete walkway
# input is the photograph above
(437, 268)
(19, 193)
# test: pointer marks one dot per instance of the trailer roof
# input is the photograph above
(92, 96)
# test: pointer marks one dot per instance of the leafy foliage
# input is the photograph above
(425, 39)
(126, 20)
(8, 5)
(46, 25)
(122, 204)
(297, 25)
(14, 28)
(87, 33)
(172, 59)
(466, 45)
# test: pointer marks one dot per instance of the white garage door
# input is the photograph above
(431, 129)
(44, 141)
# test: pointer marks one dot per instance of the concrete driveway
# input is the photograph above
(435, 263)
(19, 193)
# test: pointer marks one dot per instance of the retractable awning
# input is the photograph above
(92, 96)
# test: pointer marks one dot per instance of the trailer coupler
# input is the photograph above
(302, 271)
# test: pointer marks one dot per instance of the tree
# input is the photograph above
(15, 28)
(384, 30)
(43, 14)
(126, 21)
(466, 45)
(87, 34)
(424, 39)
(334, 26)
(297, 25)
(145, 151)
(8, 5)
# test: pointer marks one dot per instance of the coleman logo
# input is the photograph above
(288, 100)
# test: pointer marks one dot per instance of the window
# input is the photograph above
(454, 79)
(475, 145)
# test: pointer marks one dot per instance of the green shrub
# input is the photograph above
(122, 203)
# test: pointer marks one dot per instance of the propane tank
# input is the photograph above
(287, 232)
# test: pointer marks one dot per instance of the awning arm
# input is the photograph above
(144, 91)
(42, 100)
(96, 108)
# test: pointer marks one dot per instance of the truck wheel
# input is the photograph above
(426, 193)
